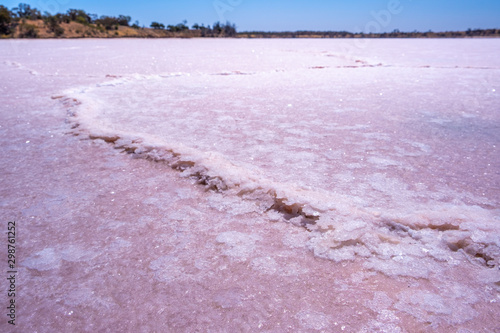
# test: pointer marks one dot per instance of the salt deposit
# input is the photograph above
(237, 177)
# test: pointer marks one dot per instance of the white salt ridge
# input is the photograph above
(344, 230)
(378, 178)
(21, 67)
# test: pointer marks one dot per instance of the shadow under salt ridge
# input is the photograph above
(429, 243)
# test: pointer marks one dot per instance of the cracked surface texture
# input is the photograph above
(254, 185)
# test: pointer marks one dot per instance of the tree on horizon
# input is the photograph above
(156, 25)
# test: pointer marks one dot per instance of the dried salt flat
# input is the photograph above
(382, 160)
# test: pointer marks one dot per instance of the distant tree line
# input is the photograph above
(10, 19)
(217, 30)
(17, 17)
(394, 34)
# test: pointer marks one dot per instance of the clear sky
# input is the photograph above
(292, 15)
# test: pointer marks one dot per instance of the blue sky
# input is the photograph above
(291, 15)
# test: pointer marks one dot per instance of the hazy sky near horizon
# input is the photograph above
(291, 15)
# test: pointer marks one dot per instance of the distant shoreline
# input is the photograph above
(74, 30)
(396, 34)
(26, 22)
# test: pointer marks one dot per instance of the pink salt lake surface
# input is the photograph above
(252, 185)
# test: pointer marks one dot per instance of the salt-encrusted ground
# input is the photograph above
(314, 185)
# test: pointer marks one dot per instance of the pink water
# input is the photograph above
(253, 185)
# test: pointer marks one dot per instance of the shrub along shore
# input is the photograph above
(26, 22)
